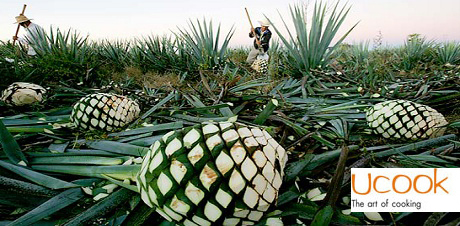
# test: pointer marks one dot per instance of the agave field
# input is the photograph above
(178, 129)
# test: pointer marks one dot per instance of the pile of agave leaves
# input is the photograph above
(315, 130)
(319, 120)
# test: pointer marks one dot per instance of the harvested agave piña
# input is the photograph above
(222, 173)
(405, 119)
(210, 174)
(22, 93)
(260, 65)
(104, 111)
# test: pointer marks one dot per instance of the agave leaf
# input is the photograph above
(120, 183)
(85, 160)
(146, 141)
(455, 124)
(314, 100)
(58, 148)
(139, 215)
(268, 110)
(326, 157)
(249, 84)
(148, 129)
(435, 219)
(23, 122)
(128, 139)
(193, 100)
(324, 216)
(127, 171)
(158, 105)
(423, 158)
(308, 212)
(344, 106)
(323, 141)
(87, 182)
(10, 146)
(117, 147)
(51, 206)
(416, 146)
(101, 208)
(287, 197)
(74, 152)
(23, 187)
(302, 210)
(29, 129)
(39, 178)
(294, 168)
(201, 119)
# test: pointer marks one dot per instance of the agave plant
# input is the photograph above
(416, 49)
(448, 53)
(159, 54)
(68, 45)
(360, 52)
(116, 53)
(64, 55)
(310, 47)
(202, 43)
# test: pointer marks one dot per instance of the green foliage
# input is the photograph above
(115, 54)
(201, 42)
(369, 67)
(64, 56)
(315, 129)
(448, 53)
(159, 54)
(416, 50)
(309, 48)
(277, 64)
(13, 65)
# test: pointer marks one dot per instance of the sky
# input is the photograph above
(121, 20)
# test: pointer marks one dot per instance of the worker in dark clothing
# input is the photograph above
(263, 37)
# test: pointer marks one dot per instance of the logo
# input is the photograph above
(405, 189)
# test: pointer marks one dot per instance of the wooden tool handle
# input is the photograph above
(17, 29)
(23, 9)
(252, 27)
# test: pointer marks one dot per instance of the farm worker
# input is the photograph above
(33, 32)
(263, 37)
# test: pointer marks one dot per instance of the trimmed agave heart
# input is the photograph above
(104, 111)
(405, 119)
(260, 65)
(215, 173)
(22, 93)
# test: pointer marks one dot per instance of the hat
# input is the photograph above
(264, 22)
(21, 19)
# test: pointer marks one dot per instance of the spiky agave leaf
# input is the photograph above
(405, 119)
(214, 173)
(311, 45)
(23, 93)
(104, 111)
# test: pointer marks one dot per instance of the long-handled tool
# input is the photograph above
(261, 54)
(252, 27)
(19, 25)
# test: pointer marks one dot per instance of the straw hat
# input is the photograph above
(264, 22)
(21, 19)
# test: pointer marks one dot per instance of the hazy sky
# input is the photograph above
(115, 19)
